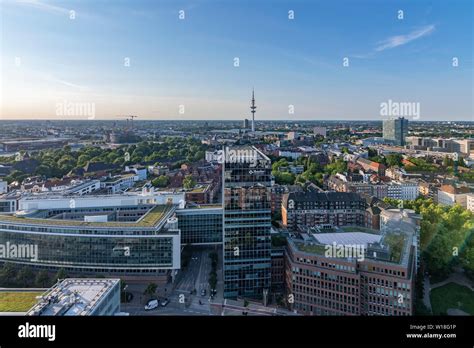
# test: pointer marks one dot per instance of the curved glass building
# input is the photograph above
(130, 240)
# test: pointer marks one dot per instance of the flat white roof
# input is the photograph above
(73, 296)
(347, 238)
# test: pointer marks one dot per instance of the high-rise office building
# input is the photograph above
(246, 222)
(395, 130)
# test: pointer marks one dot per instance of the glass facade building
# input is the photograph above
(395, 130)
(200, 225)
(122, 247)
(247, 222)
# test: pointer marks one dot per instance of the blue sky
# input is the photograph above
(49, 58)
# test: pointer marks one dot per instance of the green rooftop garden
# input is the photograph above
(396, 242)
(319, 249)
(150, 219)
(153, 216)
(16, 301)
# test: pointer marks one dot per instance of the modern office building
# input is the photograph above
(9, 202)
(395, 130)
(129, 240)
(247, 222)
(135, 235)
(79, 297)
(65, 201)
(311, 208)
(200, 225)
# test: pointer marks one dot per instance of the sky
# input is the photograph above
(306, 60)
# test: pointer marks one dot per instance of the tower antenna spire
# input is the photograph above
(253, 108)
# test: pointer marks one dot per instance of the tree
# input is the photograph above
(371, 152)
(338, 166)
(161, 181)
(60, 275)
(189, 182)
(7, 274)
(394, 159)
(25, 276)
(212, 280)
(150, 290)
(284, 178)
(447, 162)
(42, 279)
(378, 159)
(467, 258)
(123, 293)
(43, 170)
(280, 163)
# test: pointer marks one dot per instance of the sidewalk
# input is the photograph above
(457, 278)
(426, 292)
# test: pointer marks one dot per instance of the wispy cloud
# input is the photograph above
(53, 79)
(41, 5)
(399, 40)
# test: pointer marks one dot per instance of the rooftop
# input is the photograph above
(329, 196)
(150, 219)
(73, 296)
(348, 238)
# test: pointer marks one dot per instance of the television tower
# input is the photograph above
(252, 108)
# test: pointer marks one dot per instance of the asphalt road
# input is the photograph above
(182, 301)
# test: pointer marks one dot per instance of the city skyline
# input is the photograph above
(121, 65)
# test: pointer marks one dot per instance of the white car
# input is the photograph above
(152, 304)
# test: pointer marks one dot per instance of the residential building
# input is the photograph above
(319, 131)
(119, 183)
(311, 208)
(3, 187)
(470, 202)
(450, 195)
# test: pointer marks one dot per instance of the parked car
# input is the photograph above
(152, 304)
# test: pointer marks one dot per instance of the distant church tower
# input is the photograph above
(252, 108)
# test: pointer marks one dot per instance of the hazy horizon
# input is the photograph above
(199, 60)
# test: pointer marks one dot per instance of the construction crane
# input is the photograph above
(129, 118)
